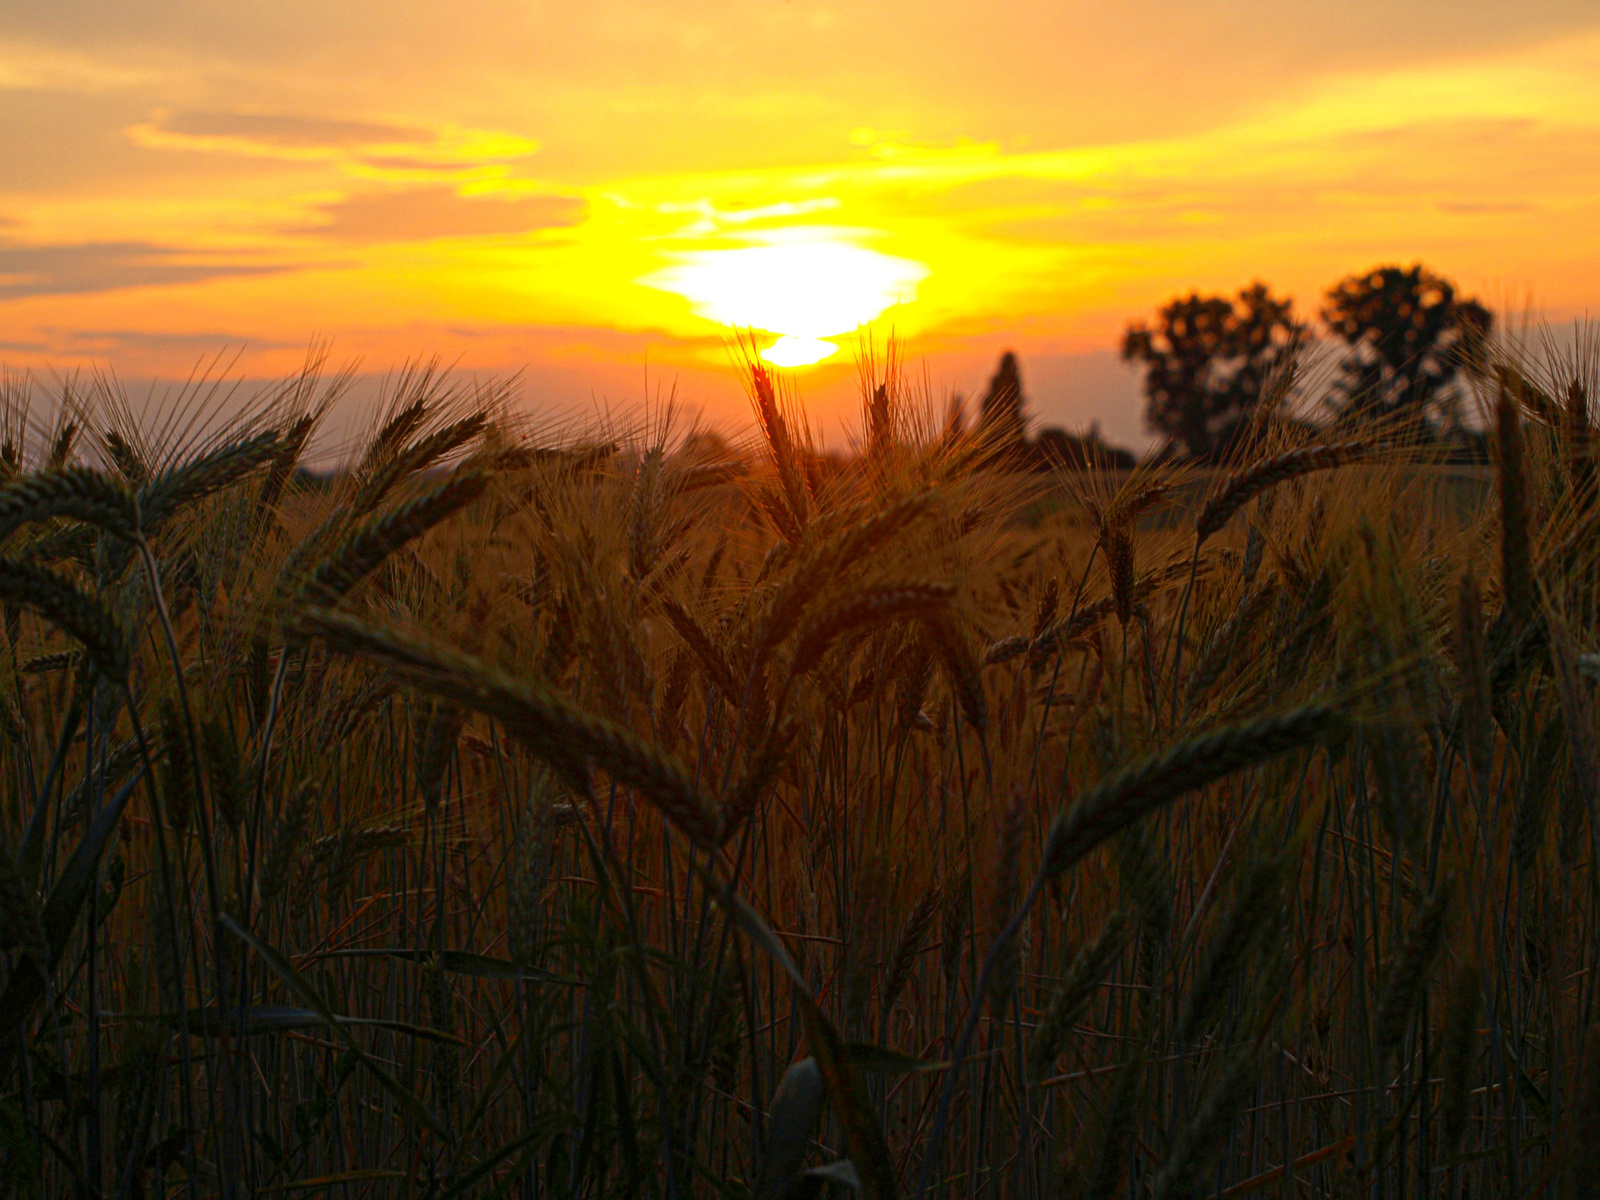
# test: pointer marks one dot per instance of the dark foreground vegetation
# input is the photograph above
(502, 820)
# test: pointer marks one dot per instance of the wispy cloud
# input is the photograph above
(34, 67)
(370, 149)
(422, 214)
(86, 267)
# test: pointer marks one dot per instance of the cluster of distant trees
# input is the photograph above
(1408, 335)
(1209, 361)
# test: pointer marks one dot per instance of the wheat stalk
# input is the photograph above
(551, 726)
(1239, 489)
(1134, 792)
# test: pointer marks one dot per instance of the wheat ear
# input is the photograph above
(1407, 977)
(1246, 485)
(868, 607)
(75, 492)
(1072, 995)
(1136, 791)
(69, 606)
(368, 545)
(173, 490)
(712, 660)
(549, 725)
(820, 565)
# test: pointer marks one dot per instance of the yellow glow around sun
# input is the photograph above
(805, 285)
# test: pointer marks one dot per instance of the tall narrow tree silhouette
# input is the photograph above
(1409, 335)
(1207, 361)
(1001, 422)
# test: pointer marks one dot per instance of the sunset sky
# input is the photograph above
(596, 193)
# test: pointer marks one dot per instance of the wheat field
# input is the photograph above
(594, 816)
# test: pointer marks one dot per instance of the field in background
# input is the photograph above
(598, 820)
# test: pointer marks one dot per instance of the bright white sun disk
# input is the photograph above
(797, 351)
(811, 286)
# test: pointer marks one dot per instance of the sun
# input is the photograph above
(805, 285)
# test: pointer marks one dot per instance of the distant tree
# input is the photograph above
(1409, 335)
(1001, 422)
(1207, 360)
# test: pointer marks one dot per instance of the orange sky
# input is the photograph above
(593, 192)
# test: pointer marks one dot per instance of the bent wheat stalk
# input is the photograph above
(1105, 810)
(551, 726)
(76, 492)
(1243, 487)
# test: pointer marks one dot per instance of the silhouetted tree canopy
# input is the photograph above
(1409, 334)
(1207, 360)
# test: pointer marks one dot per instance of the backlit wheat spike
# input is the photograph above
(405, 421)
(109, 772)
(866, 608)
(827, 561)
(338, 855)
(415, 459)
(1407, 977)
(176, 489)
(1063, 632)
(224, 770)
(1045, 611)
(1246, 485)
(525, 900)
(65, 604)
(1087, 971)
(61, 660)
(775, 427)
(125, 459)
(1219, 650)
(644, 508)
(1137, 498)
(712, 660)
(291, 447)
(550, 725)
(436, 746)
(1136, 791)
(908, 945)
(369, 544)
(12, 722)
(1066, 630)
(178, 784)
(1252, 911)
(962, 666)
(1516, 574)
(1199, 1141)
(954, 914)
(62, 445)
(75, 492)
(758, 780)
(1006, 649)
